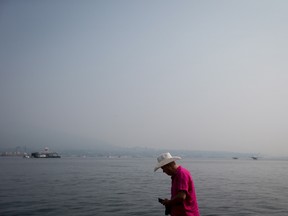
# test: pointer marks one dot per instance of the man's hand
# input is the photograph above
(179, 198)
(166, 202)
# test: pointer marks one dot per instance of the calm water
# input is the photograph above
(107, 187)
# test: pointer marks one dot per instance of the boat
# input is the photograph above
(25, 155)
(254, 157)
(235, 158)
(45, 154)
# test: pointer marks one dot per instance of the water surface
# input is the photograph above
(128, 186)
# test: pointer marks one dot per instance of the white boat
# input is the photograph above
(25, 155)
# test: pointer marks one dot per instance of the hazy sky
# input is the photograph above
(197, 75)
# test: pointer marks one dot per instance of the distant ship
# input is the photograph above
(235, 158)
(25, 155)
(254, 157)
(45, 154)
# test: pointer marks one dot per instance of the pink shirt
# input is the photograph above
(182, 181)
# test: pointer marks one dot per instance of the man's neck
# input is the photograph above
(175, 167)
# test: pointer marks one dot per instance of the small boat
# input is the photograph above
(235, 158)
(25, 155)
(254, 157)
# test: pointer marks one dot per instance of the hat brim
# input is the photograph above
(167, 161)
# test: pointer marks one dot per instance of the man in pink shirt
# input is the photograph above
(183, 200)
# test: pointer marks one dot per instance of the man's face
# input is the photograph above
(167, 169)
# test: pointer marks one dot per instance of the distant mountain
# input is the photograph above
(72, 145)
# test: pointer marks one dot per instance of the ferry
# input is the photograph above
(45, 154)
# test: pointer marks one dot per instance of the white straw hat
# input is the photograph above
(164, 159)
